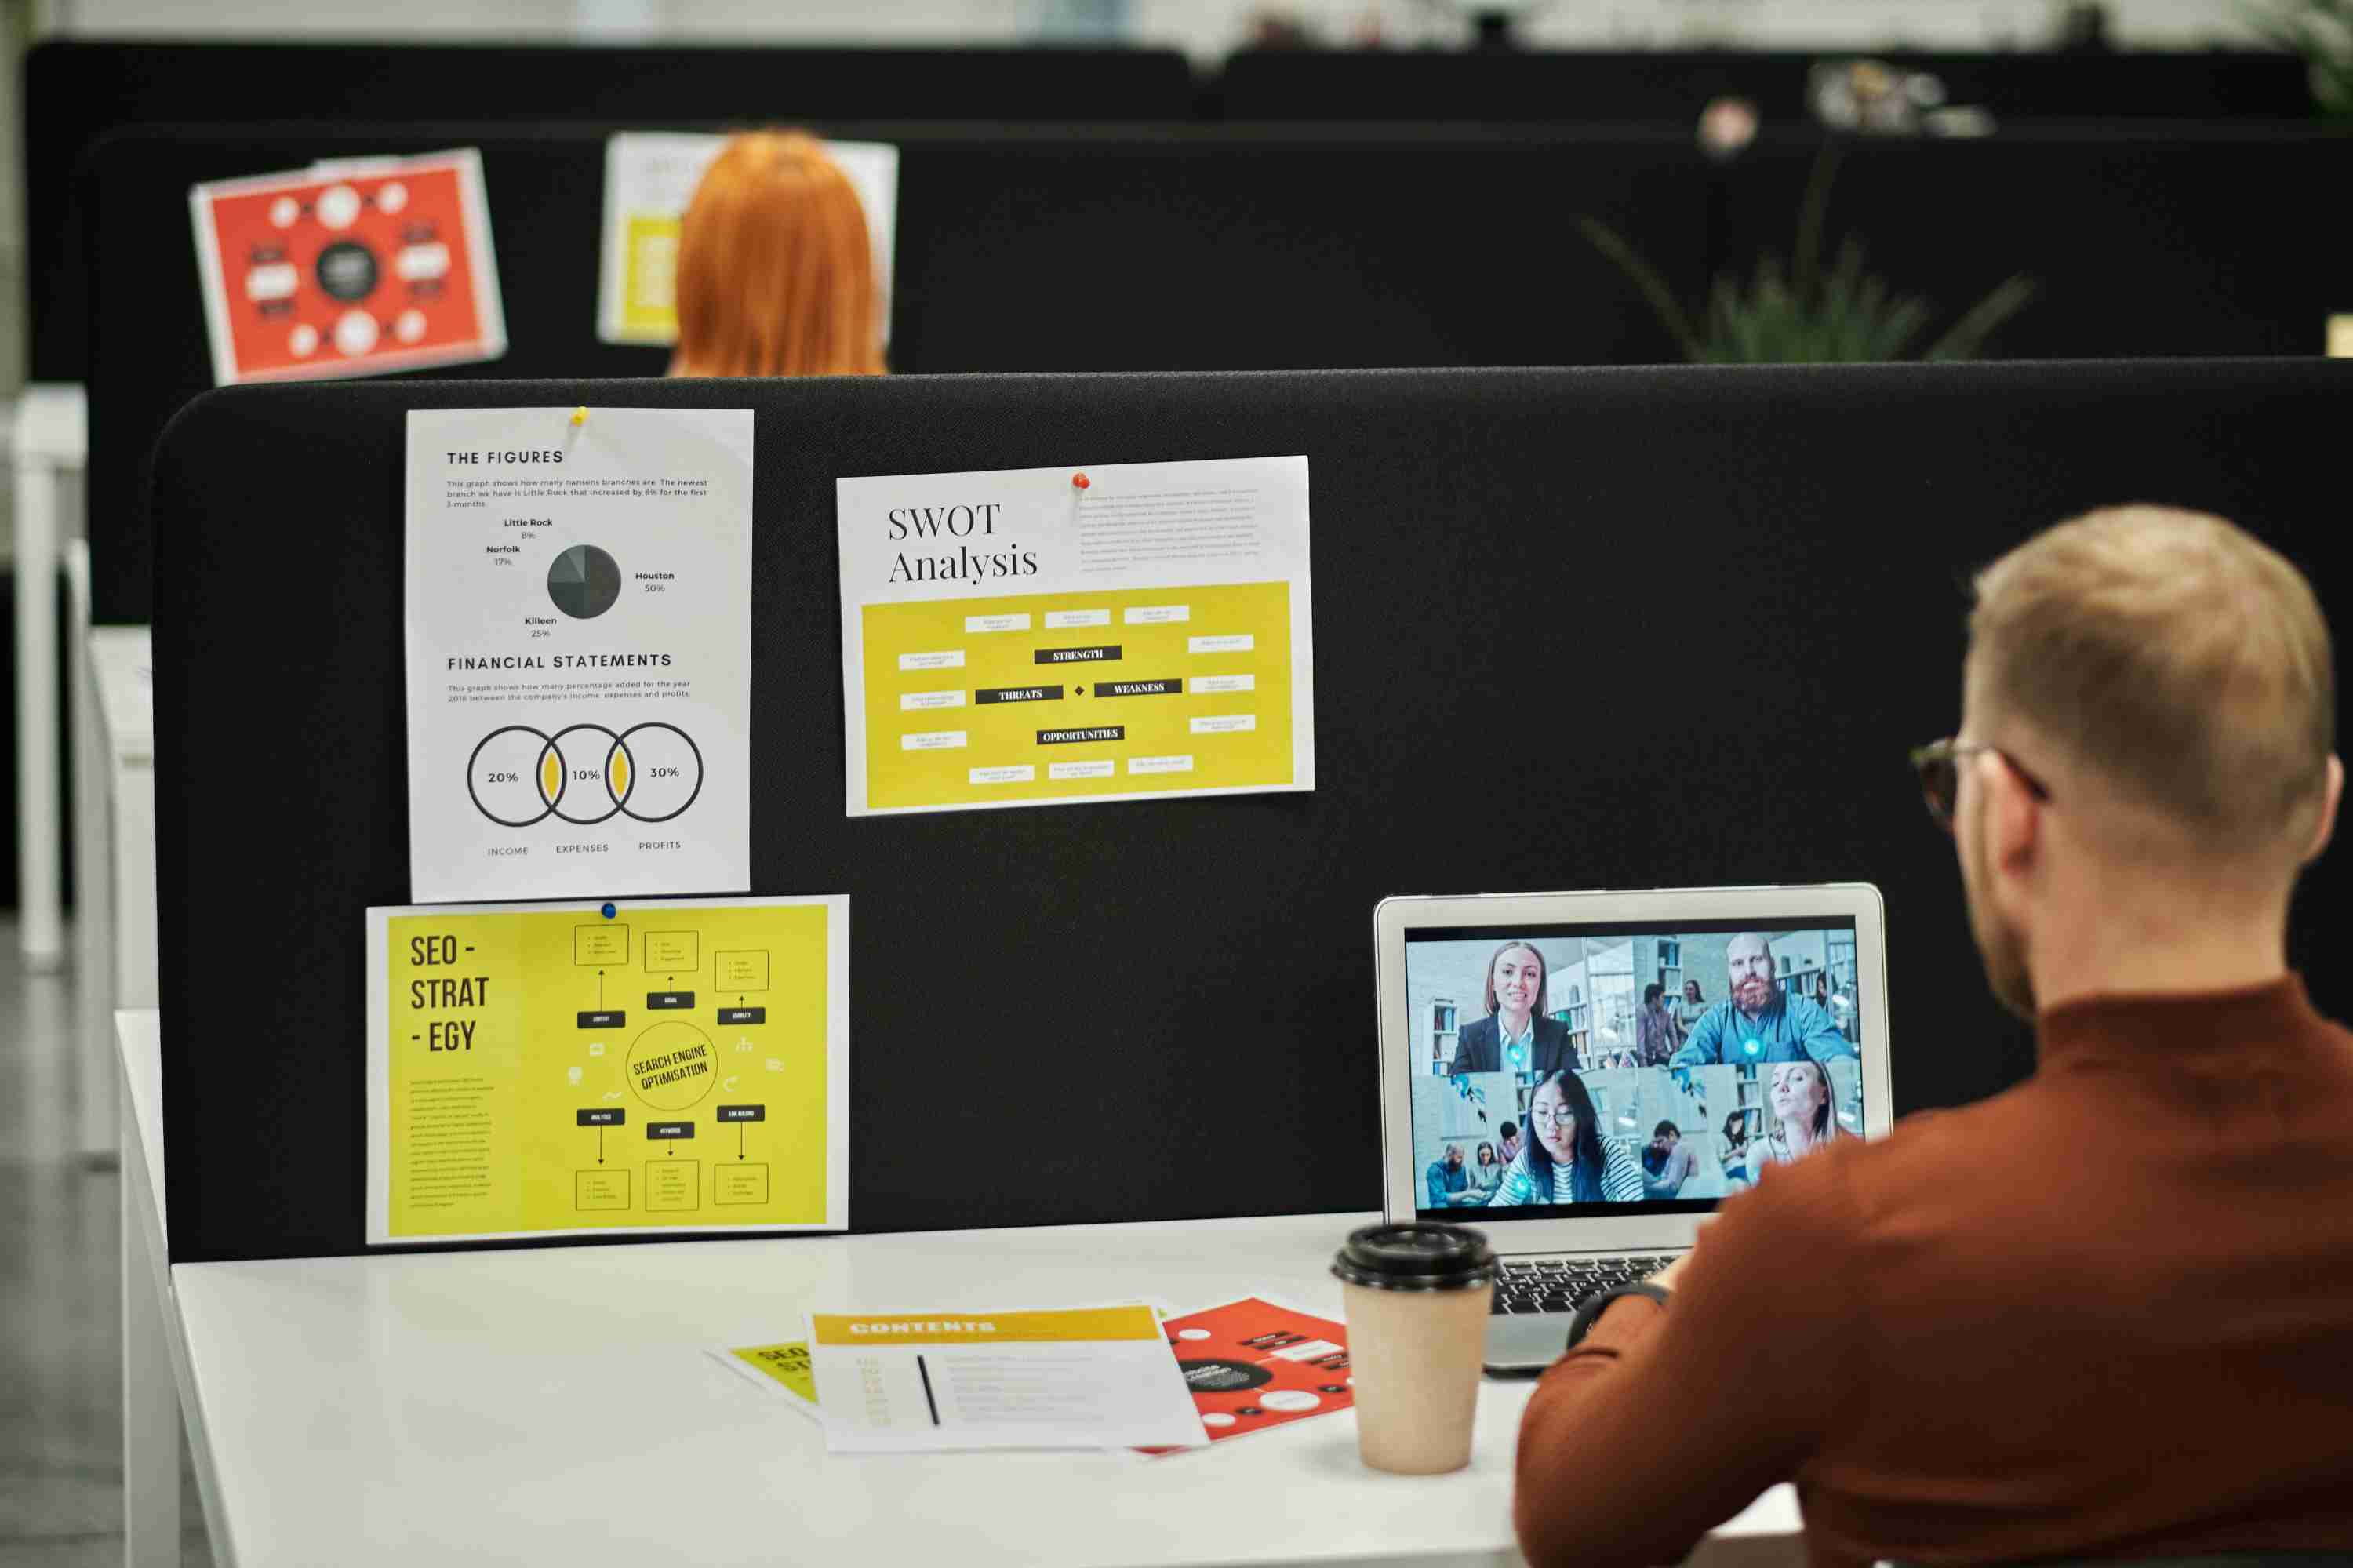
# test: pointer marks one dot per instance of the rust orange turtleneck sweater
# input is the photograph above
(2108, 1312)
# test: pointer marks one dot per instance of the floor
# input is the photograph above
(61, 1358)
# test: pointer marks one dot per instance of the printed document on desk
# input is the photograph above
(1020, 638)
(781, 1370)
(1254, 1364)
(1081, 1377)
(579, 651)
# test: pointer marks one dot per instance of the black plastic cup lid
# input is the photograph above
(1423, 1256)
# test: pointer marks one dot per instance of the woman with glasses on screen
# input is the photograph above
(1567, 1160)
(1805, 1115)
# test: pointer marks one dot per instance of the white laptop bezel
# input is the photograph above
(1395, 918)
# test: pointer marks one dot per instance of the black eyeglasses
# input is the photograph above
(1938, 764)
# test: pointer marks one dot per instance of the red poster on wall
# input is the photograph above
(350, 269)
(1252, 1364)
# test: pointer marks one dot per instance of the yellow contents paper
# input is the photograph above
(1083, 1377)
(676, 1065)
(1034, 636)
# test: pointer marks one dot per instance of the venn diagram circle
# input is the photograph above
(586, 774)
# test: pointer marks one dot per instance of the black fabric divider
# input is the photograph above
(2142, 244)
(1574, 629)
(1017, 250)
(77, 90)
(1673, 86)
(1240, 249)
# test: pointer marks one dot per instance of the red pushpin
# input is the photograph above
(1080, 482)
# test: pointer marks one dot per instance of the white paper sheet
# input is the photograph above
(579, 644)
(649, 178)
(1020, 638)
(1083, 1377)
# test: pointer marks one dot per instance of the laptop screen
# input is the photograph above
(1561, 1071)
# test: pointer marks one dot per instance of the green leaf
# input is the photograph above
(1964, 337)
(1647, 281)
(1813, 216)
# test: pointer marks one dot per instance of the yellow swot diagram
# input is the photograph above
(602, 1068)
(1060, 637)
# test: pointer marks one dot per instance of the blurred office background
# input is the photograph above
(59, 1459)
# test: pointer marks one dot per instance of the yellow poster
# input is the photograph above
(1038, 637)
(1124, 691)
(607, 1068)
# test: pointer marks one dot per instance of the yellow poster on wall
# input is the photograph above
(1067, 636)
(607, 1068)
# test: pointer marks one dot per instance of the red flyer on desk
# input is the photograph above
(1252, 1364)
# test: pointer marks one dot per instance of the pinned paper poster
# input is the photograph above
(1017, 638)
(579, 651)
(1080, 1377)
(355, 268)
(538, 1070)
(1253, 1364)
(650, 177)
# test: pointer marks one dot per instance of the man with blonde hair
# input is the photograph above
(2110, 1312)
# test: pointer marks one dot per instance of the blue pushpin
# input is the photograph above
(609, 912)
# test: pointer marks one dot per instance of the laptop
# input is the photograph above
(1586, 1077)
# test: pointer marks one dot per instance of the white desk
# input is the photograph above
(122, 675)
(154, 1351)
(114, 841)
(49, 447)
(556, 1405)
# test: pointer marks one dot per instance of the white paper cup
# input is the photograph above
(1417, 1298)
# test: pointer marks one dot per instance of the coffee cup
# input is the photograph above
(1417, 1298)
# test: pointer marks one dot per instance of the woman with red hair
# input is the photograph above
(775, 269)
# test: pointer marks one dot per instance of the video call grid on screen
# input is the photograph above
(1703, 1065)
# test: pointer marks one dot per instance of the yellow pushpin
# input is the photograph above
(580, 415)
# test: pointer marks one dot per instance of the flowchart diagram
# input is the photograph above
(542, 1068)
(672, 1065)
(1071, 695)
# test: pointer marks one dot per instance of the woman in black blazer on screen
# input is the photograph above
(1516, 1036)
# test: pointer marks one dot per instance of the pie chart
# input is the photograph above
(584, 582)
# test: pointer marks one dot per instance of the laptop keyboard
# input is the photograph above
(1559, 1283)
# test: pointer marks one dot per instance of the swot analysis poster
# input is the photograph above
(1060, 636)
(355, 268)
(552, 1069)
(579, 646)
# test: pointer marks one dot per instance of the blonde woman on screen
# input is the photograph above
(775, 267)
(1805, 1115)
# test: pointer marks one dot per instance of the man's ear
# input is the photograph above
(2013, 816)
(2330, 795)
